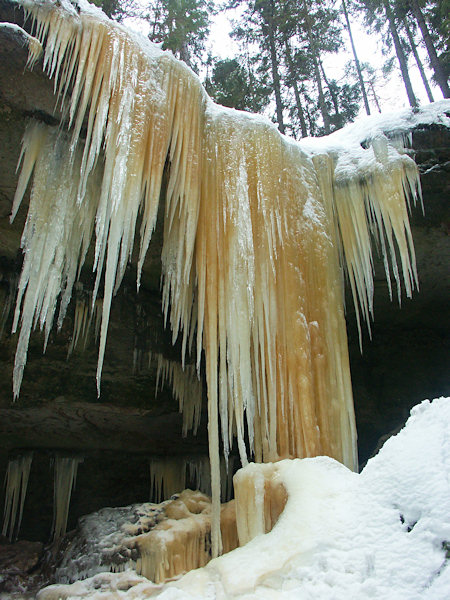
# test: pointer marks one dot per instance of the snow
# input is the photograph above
(392, 124)
(380, 534)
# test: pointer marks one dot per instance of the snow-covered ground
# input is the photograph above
(382, 534)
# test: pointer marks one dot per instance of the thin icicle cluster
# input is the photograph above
(256, 234)
(65, 476)
(87, 317)
(372, 203)
(171, 475)
(186, 388)
(199, 472)
(16, 483)
(56, 236)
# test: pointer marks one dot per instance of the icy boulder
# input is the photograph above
(159, 541)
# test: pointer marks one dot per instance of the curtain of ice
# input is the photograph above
(256, 234)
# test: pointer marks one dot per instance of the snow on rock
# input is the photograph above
(382, 534)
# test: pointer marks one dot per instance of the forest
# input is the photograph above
(281, 67)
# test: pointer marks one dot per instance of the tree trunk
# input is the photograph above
(418, 61)
(439, 72)
(333, 95)
(400, 55)
(298, 102)
(355, 57)
(375, 97)
(322, 103)
(270, 33)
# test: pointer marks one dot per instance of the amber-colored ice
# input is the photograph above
(181, 541)
(256, 235)
(260, 500)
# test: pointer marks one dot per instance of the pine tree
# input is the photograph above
(231, 85)
(413, 45)
(355, 58)
(117, 9)
(260, 27)
(290, 39)
(181, 26)
(378, 14)
(438, 66)
(292, 79)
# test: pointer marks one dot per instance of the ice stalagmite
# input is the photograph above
(16, 483)
(257, 232)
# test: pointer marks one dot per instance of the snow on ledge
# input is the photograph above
(381, 534)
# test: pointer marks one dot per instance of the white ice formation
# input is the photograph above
(16, 483)
(258, 230)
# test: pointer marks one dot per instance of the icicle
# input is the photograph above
(16, 483)
(87, 316)
(13, 281)
(64, 481)
(167, 477)
(186, 388)
(199, 474)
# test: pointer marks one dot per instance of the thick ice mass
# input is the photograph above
(257, 231)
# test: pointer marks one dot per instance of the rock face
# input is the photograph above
(18, 563)
(58, 408)
(407, 359)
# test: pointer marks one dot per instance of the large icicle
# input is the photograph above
(65, 476)
(16, 483)
(257, 231)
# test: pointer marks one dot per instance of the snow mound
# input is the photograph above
(381, 534)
